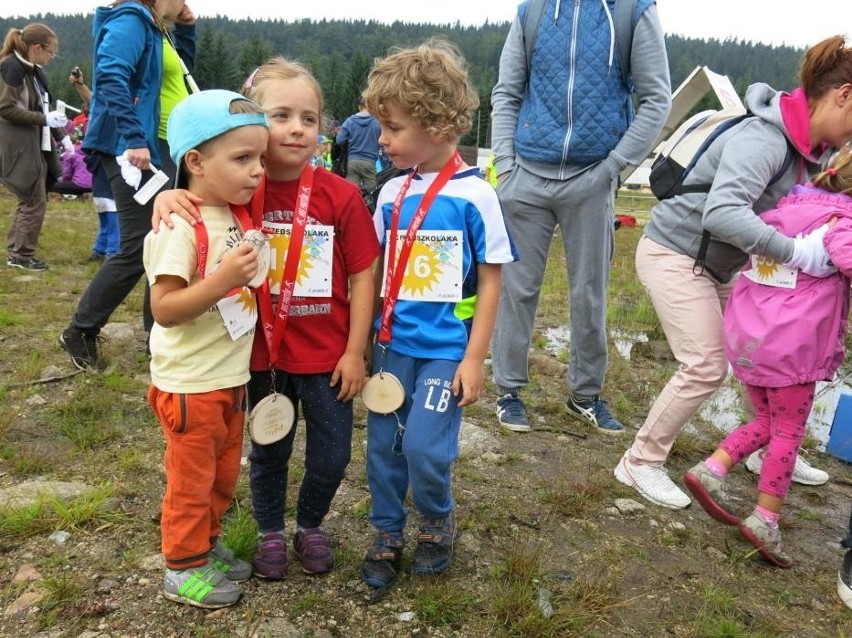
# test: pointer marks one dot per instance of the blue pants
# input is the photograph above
(328, 449)
(108, 238)
(422, 453)
(106, 242)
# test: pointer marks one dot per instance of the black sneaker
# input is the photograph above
(83, 348)
(434, 546)
(27, 263)
(595, 412)
(383, 560)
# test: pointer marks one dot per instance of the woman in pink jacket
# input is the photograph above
(783, 333)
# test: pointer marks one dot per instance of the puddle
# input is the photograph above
(723, 408)
(559, 339)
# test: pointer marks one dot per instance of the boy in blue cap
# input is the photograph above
(201, 341)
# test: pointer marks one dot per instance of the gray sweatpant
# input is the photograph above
(582, 206)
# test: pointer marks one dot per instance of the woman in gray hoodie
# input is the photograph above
(742, 165)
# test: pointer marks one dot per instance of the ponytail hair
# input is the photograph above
(21, 39)
(837, 178)
(825, 66)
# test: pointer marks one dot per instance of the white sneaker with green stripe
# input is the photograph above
(203, 586)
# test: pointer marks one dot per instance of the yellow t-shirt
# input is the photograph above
(173, 88)
(199, 355)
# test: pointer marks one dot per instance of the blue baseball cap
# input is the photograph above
(202, 116)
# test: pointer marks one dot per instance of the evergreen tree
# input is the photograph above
(254, 53)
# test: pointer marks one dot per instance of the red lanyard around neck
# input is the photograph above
(396, 266)
(275, 322)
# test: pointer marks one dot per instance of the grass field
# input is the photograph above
(542, 550)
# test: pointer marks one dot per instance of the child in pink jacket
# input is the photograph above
(783, 333)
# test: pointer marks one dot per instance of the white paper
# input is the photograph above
(151, 187)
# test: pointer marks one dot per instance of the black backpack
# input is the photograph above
(382, 178)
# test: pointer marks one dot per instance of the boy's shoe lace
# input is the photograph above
(203, 586)
(83, 348)
(434, 546)
(595, 412)
(512, 413)
(767, 539)
(711, 492)
(383, 560)
(224, 560)
(270, 559)
(313, 549)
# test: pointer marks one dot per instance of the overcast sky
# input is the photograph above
(792, 22)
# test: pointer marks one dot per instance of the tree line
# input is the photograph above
(341, 52)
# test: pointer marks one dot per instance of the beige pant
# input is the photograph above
(689, 308)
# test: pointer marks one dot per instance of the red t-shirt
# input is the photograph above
(318, 327)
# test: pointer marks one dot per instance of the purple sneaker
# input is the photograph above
(270, 559)
(313, 549)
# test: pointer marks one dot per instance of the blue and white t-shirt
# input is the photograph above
(466, 208)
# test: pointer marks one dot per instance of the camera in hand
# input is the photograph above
(77, 72)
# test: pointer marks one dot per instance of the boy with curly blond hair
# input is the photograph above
(439, 301)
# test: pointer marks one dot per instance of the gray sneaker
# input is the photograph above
(203, 586)
(767, 540)
(224, 560)
(711, 492)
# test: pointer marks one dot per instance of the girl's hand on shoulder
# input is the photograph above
(349, 371)
(178, 201)
(469, 381)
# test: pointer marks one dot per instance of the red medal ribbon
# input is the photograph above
(396, 269)
(275, 322)
(202, 239)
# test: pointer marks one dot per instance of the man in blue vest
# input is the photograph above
(563, 130)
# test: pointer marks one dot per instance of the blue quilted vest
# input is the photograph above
(576, 107)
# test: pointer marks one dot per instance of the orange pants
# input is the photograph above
(204, 436)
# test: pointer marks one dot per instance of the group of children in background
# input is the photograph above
(349, 295)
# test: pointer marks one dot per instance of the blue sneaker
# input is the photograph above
(595, 412)
(512, 413)
(434, 546)
(383, 561)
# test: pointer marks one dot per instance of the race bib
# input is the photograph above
(239, 312)
(768, 272)
(434, 268)
(313, 278)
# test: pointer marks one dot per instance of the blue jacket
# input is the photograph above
(567, 108)
(588, 79)
(127, 77)
(362, 132)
